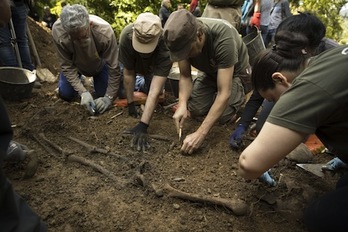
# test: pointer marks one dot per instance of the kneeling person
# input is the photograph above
(215, 48)
(142, 51)
(86, 45)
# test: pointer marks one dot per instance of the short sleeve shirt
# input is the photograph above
(223, 48)
(317, 102)
(158, 63)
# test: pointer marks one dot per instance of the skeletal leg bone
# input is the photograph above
(93, 149)
(49, 150)
(238, 207)
(55, 146)
(120, 182)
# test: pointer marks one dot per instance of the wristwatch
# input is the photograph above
(110, 97)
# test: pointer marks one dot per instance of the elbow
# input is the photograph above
(246, 169)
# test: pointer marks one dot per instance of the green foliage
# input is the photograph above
(120, 13)
(327, 11)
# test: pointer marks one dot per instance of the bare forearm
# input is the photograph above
(214, 113)
(129, 82)
(257, 5)
(185, 88)
(152, 98)
(270, 146)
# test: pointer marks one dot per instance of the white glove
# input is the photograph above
(88, 102)
(102, 104)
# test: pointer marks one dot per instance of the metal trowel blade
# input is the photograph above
(315, 169)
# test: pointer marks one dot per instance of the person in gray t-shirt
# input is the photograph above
(280, 11)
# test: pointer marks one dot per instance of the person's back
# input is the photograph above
(218, 32)
(229, 10)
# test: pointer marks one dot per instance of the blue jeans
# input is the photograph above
(7, 51)
(100, 83)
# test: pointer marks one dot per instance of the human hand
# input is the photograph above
(179, 117)
(192, 142)
(255, 20)
(132, 110)
(88, 102)
(140, 136)
(236, 137)
(334, 165)
(102, 104)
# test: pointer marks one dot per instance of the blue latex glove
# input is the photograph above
(334, 165)
(102, 104)
(236, 137)
(267, 179)
(88, 102)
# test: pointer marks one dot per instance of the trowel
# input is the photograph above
(315, 169)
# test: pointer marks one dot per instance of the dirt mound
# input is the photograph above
(44, 46)
(90, 179)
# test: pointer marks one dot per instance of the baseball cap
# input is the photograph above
(180, 31)
(146, 31)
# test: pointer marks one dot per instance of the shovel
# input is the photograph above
(315, 169)
(43, 74)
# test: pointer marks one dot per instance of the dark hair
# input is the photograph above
(307, 24)
(288, 54)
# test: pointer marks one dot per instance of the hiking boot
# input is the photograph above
(37, 85)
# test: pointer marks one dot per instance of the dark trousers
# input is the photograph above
(15, 214)
(329, 212)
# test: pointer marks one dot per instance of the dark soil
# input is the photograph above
(70, 196)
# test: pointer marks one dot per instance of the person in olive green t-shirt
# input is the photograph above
(312, 97)
(142, 51)
(214, 47)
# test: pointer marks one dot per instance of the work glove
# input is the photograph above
(267, 179)
(132, 110)
(16, 151)
(255, 20)
(236, 137)
(334, 165)
(88, 102)
(102, 104)
(140, 136)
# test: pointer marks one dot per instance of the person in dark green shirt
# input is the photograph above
(312, 97)
(215, 48)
